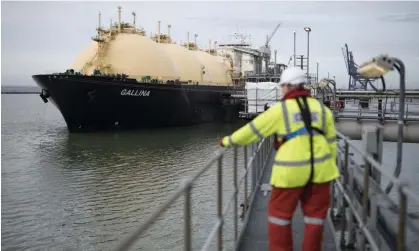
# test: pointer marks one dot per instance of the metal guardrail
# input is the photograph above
(255, 164)
(386, 113)
(358, 216)
(373, 94)
(384, 108)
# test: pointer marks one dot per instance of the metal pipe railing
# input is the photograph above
(346, 187)
(255, 163)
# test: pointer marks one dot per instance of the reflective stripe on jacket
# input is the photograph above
(292, 161)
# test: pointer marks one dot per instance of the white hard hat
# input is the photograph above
(293, 76)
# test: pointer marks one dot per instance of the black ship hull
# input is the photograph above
(93, 103)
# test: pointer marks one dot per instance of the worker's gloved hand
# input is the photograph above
(277, 144)
(220, 142)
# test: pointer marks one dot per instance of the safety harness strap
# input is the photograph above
(302, 131)
(306, 115)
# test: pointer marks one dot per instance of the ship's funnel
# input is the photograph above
(119, 18)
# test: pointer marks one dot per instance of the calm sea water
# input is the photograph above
(88, 191)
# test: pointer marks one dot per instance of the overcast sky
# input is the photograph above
(44, 37)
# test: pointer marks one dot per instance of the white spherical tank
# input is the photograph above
(138, 57)
(132, 54)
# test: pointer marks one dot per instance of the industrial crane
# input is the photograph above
(266, 50)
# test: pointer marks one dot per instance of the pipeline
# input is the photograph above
(353, 130)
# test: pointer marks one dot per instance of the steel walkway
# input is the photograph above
(361, 215)
(255, 235)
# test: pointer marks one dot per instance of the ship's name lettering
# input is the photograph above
(135, 92)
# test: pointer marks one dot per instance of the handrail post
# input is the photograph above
(344, 204)
(252, 166)
(245, 181)
(373, 140)
(332, 200)
(258, 157)
(220, 202)
(187, 217)
(401, 235)
(352, 219)
(365, 200)
(235, 194)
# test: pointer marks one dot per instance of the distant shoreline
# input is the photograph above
(20, 89)
(19, 92)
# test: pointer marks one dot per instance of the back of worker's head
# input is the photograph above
(292, 78)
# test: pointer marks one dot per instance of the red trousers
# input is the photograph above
(282, 204)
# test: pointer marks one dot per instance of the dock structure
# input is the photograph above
(354, 110)
(361, 215)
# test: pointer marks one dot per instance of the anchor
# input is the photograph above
(44, 95)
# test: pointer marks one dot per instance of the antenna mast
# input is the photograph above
(187, 40)
(100, 22)
(119, 19)
(168, 33)
(133, 14)
(158, 31)
(195, 36)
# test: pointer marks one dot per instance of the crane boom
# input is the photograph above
(271, 36)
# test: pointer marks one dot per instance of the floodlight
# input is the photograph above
(308, 29)
(323, 83)
(377, 67)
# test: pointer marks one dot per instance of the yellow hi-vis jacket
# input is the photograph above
(292, 161)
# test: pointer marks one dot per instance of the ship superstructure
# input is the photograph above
(249, 61)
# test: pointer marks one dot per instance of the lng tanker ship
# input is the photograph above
(126, 80)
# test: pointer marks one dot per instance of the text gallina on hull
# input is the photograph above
(127, 80)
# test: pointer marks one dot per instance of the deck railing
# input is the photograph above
(358, 199)
(356, 207)
(259, 155)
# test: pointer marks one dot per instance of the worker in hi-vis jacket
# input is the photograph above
(305, 163)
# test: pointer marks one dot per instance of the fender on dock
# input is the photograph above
(353, 129)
